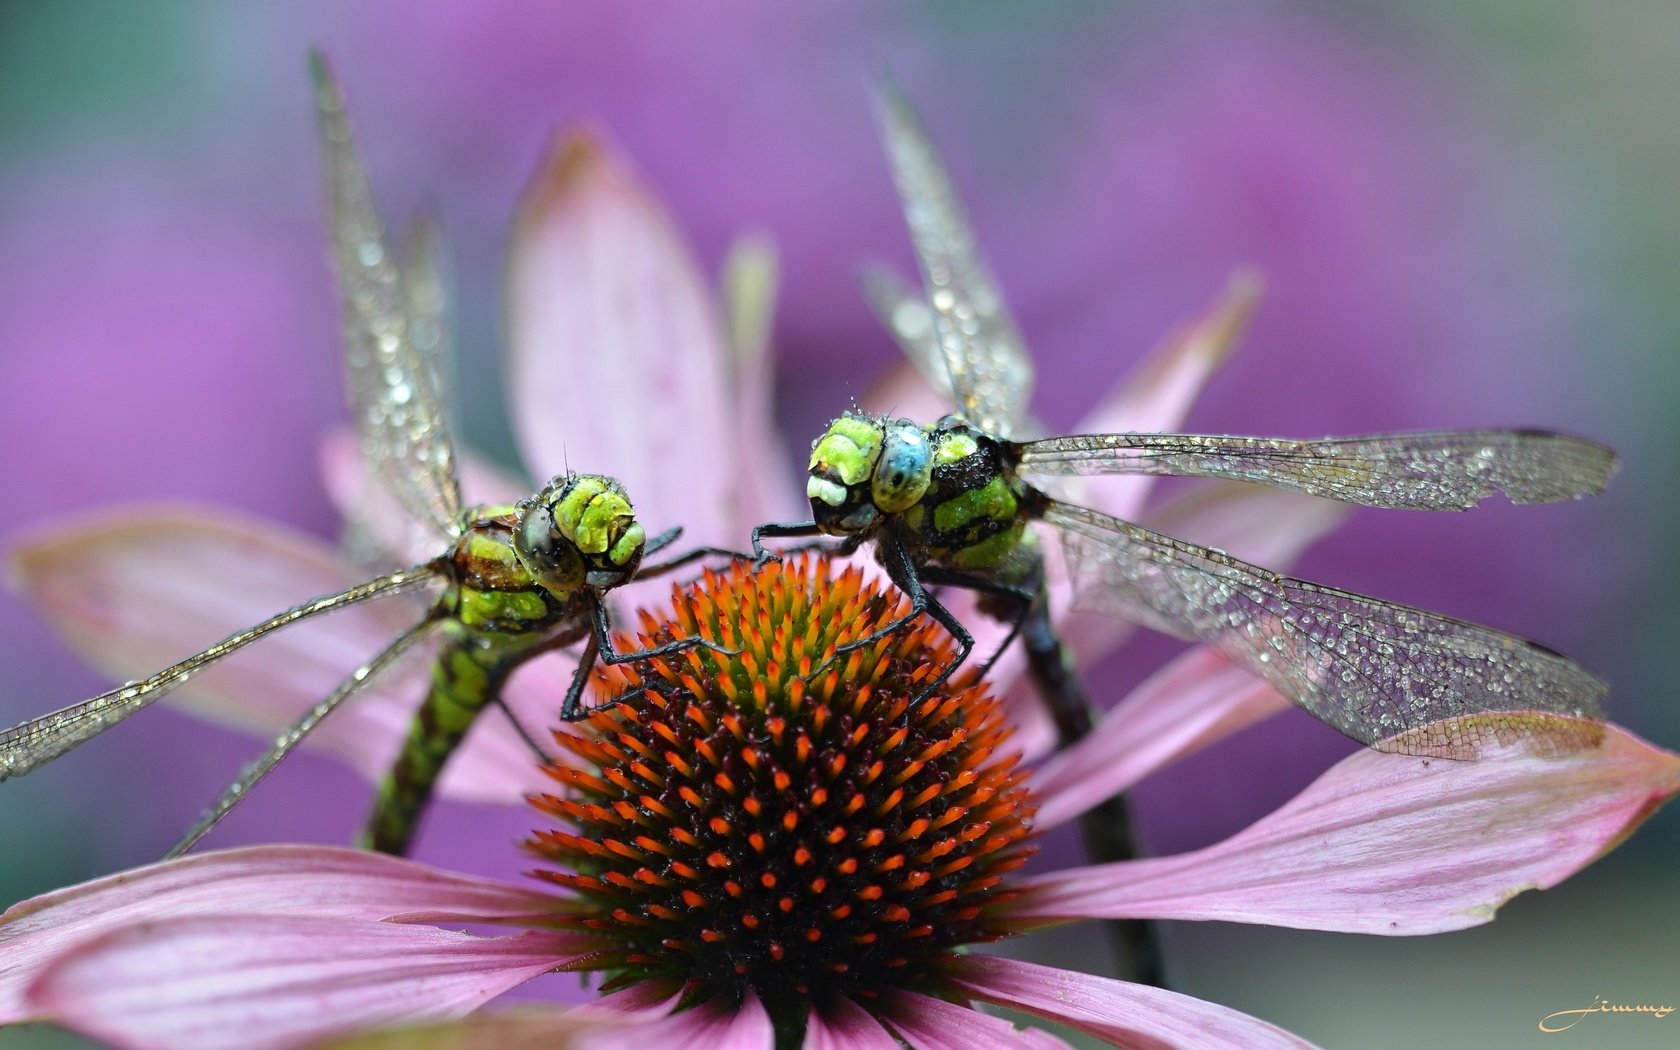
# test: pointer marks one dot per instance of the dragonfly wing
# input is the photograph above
(1391, 676)
(984, 359)
(1439, 470)
(287, 742)
(40, 740)
(393, 384)
(904, 313)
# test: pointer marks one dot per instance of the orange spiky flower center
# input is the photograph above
(755, 824)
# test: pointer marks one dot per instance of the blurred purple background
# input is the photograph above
(1464, 213)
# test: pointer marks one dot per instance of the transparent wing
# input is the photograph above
(40, 740)
(380, 533)
(426, 293)
(1397, 678)
(393, 388)
(1440, 470)
(988, 368)
(287, 742)
(905, 314)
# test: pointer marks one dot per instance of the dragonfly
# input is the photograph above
(949, 504)
(511, 582)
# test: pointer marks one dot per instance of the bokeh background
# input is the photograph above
(1465, 211)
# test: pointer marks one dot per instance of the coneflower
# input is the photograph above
(777, 849)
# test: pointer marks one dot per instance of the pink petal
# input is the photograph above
(138, 588)
(927, 1023)
(259, 981)
(1255, 523)
(644, 1001)
(1390, 844)
(619, 1019)
(323, 882)
(617, 360)
(1158, 395)
(1130, 1015)
(529, 1027)
(1191, 702)
(901, 392)
(713, 1025)
(750, 279)
(847, 1026)
(388, 524)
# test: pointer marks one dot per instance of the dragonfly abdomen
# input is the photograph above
(496, 618)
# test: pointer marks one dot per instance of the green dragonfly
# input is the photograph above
(511, 583)
(948, 504)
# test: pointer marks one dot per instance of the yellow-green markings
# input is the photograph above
(589, 515)
(501, 618)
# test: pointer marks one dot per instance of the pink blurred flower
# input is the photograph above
(750, 857)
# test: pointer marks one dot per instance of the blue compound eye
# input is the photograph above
(904, 469)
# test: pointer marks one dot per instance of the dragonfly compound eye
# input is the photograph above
(904, 468)
(842, 470)
(581, 529)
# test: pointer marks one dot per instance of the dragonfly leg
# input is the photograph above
(1020, 599)
(901, 569)
(254, 772)
(781, 528)
(608, 655)
(690, 556)
(663, 540)
(572, 709)
(519, 727)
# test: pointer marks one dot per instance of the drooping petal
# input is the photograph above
(845, 1025)
(321, 881)
(1125, 1014)
(1390, 844)
(138, 588)
(260, 981)
(617, 361)
(927, 1023)
(1191, 702)
(1157, 396)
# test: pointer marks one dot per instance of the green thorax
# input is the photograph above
(974, 513)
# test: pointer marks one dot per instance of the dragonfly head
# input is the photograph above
(866, 466)
(580, 530)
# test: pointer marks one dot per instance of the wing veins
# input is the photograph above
(258, 769)
(393, 386)
(1409, 672)
(1429, 470)
(990, 374)
(30, 744)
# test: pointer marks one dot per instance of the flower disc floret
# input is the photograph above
(785, 821)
